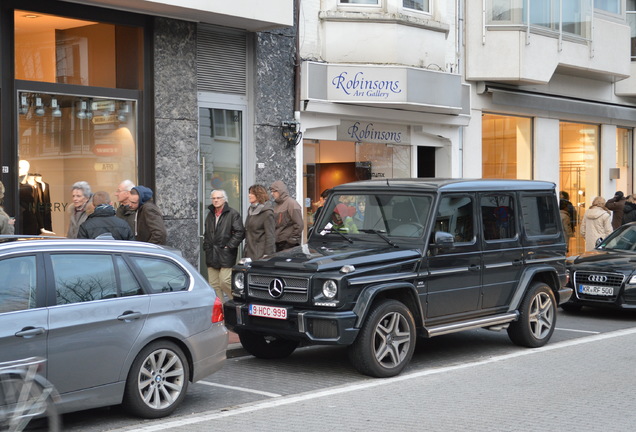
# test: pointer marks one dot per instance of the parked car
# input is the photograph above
(606, 276)
(118, 322)
(428, 257)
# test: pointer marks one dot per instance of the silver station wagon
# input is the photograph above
(118, 322)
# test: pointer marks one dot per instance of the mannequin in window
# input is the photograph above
(43, 204)
(28, 216)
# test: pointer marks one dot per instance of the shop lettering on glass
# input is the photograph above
(357, 85)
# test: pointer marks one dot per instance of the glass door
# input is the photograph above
(221, 151)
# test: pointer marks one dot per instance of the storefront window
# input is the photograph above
(331, 163)
(56, 49)
(64, 139)
(506, 147)
(624, 156)
(579, 173)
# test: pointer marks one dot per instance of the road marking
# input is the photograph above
(371, 383)
(578, 331)
(243, 389)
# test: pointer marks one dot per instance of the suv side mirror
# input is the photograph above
(443, 241)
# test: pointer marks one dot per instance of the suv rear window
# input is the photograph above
(539, 215)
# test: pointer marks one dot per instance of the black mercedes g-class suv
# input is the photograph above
(390, 260)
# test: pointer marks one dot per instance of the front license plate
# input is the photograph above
(268, 311)
(596, 290)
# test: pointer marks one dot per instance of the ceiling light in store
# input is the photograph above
(39, 107)
(24, 104)
(56, 108)
(81, 114)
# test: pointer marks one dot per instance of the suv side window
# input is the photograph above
(162, 275)
(540, 215)
(498, 216)
(455, 216)
(83, 278)
(19, 283)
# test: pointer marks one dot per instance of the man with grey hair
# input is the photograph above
(123, 197)
(224, 233)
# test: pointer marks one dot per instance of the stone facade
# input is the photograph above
(176, 123)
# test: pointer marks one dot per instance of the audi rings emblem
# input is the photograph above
(592, 278)
(276, 288)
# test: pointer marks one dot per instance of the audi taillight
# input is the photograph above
(217, 311)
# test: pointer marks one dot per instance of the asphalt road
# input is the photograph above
(471, 381)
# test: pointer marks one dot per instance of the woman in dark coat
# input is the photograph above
(629, 211)
(260, 226)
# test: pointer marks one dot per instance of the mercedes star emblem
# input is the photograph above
(276, 288)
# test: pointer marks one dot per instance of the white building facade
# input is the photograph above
(522, 89)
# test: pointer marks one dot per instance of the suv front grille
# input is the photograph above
(296, 289)
(614, 280)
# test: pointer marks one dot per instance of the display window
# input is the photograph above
(331, 163)
(506, 147)
(579, 175)
(62, 140)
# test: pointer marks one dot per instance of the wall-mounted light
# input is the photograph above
(39, 106)
(291, 132)
(57, 112)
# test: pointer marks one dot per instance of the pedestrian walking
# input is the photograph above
(260, 227)
(223, 235)
(104, 221)
(596, 223)
(288, 216)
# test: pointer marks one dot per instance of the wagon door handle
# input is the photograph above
(129, 316)
(29, 332)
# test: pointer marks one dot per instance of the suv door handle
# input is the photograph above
(517, 262)
(29, 332)
(474, 267)
(129, 316)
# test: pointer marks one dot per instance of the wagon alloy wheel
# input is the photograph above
(537, 317)
(386, 341)
(158, 381)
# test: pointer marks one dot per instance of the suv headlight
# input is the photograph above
(239, 283)
(329, 289)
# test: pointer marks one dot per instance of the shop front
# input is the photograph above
(378, 122)
(585, 152)
(73, 87)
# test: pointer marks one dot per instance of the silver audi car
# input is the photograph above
(119, 322)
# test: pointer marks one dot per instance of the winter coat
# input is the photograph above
(567, 224)
(5, 226)
(288, 216)
(103, 220)
(222, 238)
(78, 217)
(260, 231)
(126, 213)
(149, 226)
(617, 207)
(629, 212)
(596, 224)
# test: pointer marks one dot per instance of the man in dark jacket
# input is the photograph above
(103, 220)
(616, 204)
(149, 226)
(224, 233)
(288, 216)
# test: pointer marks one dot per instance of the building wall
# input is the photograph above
(176, 132)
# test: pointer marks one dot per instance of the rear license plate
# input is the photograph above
(268, 311)
(596, 290)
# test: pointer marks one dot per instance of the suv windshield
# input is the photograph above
(368, 214)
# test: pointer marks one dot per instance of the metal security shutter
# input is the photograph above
(221, 60)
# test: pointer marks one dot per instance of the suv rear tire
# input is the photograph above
(386, 341)
(537, 317)
(267, 347)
